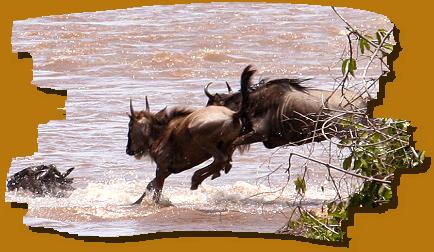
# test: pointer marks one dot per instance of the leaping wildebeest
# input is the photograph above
(180, 138)
(282, 111)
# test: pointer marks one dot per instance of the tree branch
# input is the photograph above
(339, 169)
(355, 31)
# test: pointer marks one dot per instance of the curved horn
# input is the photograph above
(229, 87)
(131, 108)
(147, 103)
(206, 91)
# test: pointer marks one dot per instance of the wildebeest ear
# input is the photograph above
(217, 97)
(161, 115)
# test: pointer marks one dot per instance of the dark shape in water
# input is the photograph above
(41, 180)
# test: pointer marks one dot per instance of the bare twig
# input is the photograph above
(355, 31)
(319, 222)
(339, 169)
(365, 71)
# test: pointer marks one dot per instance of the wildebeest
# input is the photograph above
(41, 180)
(180, 138)
(282, 111)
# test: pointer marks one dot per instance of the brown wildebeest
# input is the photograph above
(180, 138)
(282, 111)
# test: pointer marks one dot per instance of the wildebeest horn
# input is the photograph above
(68, 172)
(206, 91)
(229, 87)
(147, 103)
(131, 108)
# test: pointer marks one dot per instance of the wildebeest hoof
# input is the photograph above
(228, 168)
(194, 186)
(215, 175)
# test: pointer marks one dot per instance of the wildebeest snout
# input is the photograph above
(130, 152)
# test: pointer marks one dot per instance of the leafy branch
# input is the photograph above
(367, 151)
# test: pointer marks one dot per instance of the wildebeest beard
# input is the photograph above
(138, 145)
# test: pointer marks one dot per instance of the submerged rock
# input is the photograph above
(41, 180)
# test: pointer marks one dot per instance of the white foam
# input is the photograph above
(238, 196)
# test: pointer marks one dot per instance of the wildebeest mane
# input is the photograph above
(164, 117)
(271, 92)
(290, 84)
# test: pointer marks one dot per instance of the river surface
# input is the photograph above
(169, 53)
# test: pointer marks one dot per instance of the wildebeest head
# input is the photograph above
(231, 100)
(139, 132)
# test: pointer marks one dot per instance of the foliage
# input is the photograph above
(376, 147)
(315, 227)
(300, 185)
(382, 40)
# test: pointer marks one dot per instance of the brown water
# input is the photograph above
(169, 53)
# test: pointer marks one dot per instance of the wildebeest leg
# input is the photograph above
(259, 133)
(220, 160)
(229, 150)
(155, 185)
(228, 165)
(249, 138)
(202, 174)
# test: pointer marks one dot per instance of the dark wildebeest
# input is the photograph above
(282, 111)
(180, 138)
(41, 180)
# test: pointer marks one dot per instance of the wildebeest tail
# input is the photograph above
(246, 82)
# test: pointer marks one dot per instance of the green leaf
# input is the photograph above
(382, 32)
(388, 195)
(379, 37)
(349, 65)
(368, 46)
(345, 64)
(388, 46)
(363, 44)
(385, 192)
(347, 162)
(300, 185)
(344, 143)
(357, 164)
(352, 66)
(376, 137)
(369, 37)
